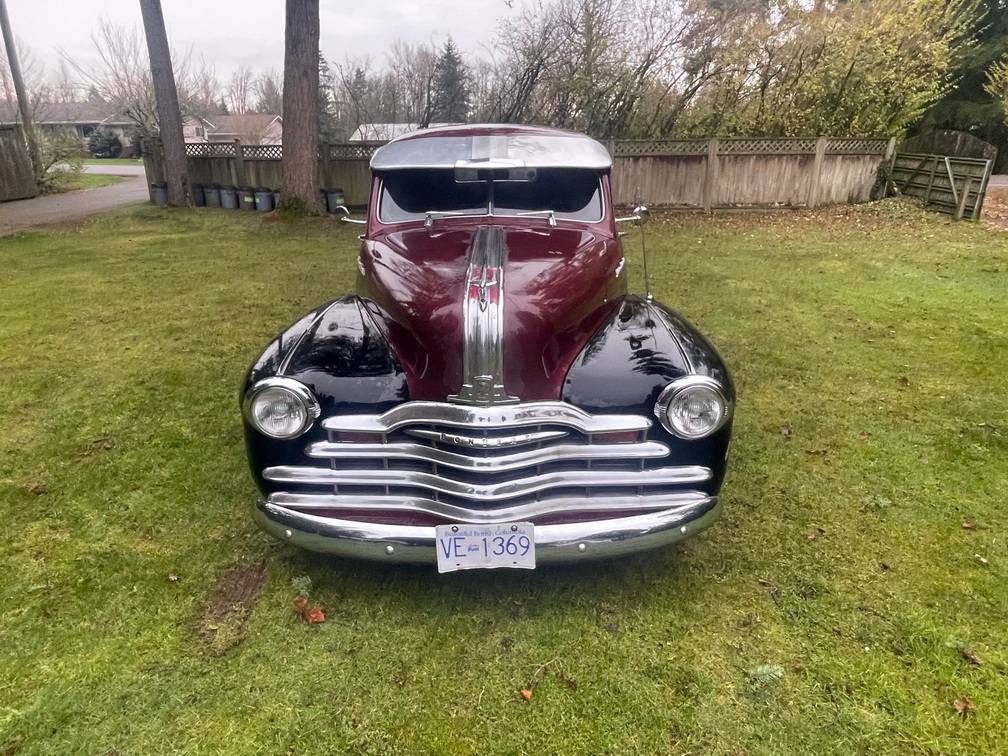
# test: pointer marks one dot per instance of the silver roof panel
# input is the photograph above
(518, 149)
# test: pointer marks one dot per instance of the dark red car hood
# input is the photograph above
(559, 285)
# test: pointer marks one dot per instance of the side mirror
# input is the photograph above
(640, 214)
(345, 217)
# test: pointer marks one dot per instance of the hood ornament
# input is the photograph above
(483, 322)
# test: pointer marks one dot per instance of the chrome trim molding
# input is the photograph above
(486, 442)
(301, 392)
(686, 474)
(497, 463)
(681, 384)
(483, 323)
(606, 506)
(598, 539)
(459, 416)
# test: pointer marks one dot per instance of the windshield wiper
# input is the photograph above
(430, 215)
(549, 213)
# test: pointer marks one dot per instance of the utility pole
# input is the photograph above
(166, 97)
(24, 106)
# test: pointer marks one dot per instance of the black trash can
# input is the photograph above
(211, 195)
(198, 199)
(334, 198)
(246, 198)
(159, 194)
(264, 200)
(324, 200)
(228, 198)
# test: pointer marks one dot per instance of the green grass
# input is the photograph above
(829, 611)
(72, 182)
(112, 161)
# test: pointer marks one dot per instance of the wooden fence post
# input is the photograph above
(238, 165)
(890, 161)
(816, 178)
(711, 175)
(961, 207)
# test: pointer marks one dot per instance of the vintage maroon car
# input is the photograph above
(491, 395)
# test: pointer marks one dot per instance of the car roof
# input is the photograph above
(491, 146)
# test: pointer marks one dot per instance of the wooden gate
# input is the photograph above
(17, 180)
(952, 185)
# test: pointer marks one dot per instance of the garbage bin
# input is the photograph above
(263, 200)
(159, 194)
(334, 198)
(211, 195)
(198, 199)
(324, 200)
(228, 198)
(246, 198)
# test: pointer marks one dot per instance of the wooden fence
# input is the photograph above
(17, 180)
(703, 174)
(952, 185)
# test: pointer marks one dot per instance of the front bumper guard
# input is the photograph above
(569, 542)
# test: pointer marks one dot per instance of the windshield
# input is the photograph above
(570, 193)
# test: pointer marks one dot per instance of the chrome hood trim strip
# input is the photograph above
(483, 322)
(609, 505)
(497, 463)
(486, 442)
(458, 416)
(686, 474)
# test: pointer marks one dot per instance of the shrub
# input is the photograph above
(104, 144)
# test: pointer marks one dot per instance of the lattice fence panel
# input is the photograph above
(262, 151)
(353, 150)
(856, 146)
(197, 149)
(783, 145)
(654, 147)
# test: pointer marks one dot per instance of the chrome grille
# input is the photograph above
(457, 463)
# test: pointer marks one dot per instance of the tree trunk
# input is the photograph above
(14, 63)
(166, 97)
(300, 189)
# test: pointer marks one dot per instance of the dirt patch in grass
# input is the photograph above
(221, 624)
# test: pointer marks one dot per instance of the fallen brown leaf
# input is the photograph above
(786, 431)
(964, 706)
(38, 489)
(969, 656)
(526, 694)
(300, 604)
(315, 615)
(969, 525)
(863, 435)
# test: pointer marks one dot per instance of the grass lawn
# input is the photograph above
(854, 590)
(72, 182)
(112, 161)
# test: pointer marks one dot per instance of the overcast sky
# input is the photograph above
(230, 33)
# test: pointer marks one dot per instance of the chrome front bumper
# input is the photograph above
(571, 542)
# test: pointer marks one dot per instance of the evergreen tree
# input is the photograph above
(451, 95)
(104, 144)
(329, 130)
(967, 106)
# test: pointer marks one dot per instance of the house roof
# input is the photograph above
(69, 113)
(492, 146)
(386, 132)
(243, 123)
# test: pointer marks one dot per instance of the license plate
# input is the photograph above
(486, 547)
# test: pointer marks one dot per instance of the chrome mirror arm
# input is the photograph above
(345, 217)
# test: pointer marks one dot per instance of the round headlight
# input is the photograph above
(693, 407)
(281, 407)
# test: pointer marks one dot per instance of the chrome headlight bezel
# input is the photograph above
(295, 389)
(683, 385)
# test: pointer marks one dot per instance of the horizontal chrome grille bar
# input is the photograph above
(486, 442)
(496, 463)
(504, 416)
(490, 491)
(610, 506)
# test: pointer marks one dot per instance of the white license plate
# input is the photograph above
(474, 547)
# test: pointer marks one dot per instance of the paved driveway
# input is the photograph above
(75, 206)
